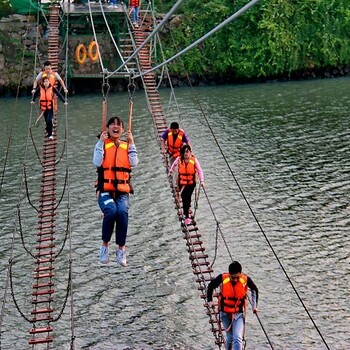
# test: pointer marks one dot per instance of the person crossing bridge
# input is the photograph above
(232, 302)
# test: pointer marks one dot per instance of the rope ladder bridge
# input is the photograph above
(200, 263)
(45, 257)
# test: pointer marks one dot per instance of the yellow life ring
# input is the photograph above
(93, 51)
(80, 54)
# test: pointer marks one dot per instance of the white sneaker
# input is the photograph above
(103, 256)
(51, 137)
(121, 257)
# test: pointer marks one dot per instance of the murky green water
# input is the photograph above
(287, 145)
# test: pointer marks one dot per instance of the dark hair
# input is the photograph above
(113, 119)
(174, 125)
(183, 150)
(235, 267)
(47, 63)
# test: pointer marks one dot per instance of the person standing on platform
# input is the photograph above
(233, 301)
(114, 160)
(135, 6)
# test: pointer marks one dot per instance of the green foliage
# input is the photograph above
(5, 8)
(272, 38)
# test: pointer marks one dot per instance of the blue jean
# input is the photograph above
(234, 336)
(115, 212)
(135, 14)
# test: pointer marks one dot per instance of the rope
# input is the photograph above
(131, 92)
(172, 94)
(65, 237)
(204, 37)
(95, 37)
(16, 101)
(111, 36)
(27, 191)
(13, 293)
(265, 236)
(105, 91)
(66, 296)
(63, 191)
(8, 283)
(21, 232)
(155, 30)
(6, 157)
(68, 229)
(217, 224)
(35, 147)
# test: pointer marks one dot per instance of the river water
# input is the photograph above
(284, 145)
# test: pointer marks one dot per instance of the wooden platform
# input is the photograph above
(69, 8)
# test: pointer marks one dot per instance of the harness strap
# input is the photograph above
(230, 325)
(117, 181)
(118, 168)
(233, 298)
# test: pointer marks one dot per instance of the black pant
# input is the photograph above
(48, 115)
(186, 195)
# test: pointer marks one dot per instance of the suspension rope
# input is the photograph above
(111, 36)
(6, 157)
(204, 37)
(264, 234)
(67, 185)
(8, 283)
(155, 30)
(17, 221)
(217, 223)
(105, 92)
(16, 101)
(95, 37)
(131, 92)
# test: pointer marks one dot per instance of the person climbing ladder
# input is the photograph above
(188, 166)
(47, 93)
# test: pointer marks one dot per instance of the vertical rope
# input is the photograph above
(131, 91)
(105, 91)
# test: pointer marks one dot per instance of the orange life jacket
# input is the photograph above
(134, 3)
(46, 97)
(233, 296)
(174, 146)
(114, 173)
(51, 76)
(187, 172)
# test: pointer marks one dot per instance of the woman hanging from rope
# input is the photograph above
(114, 160)
(188, 167)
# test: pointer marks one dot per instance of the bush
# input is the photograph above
(5, 8)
